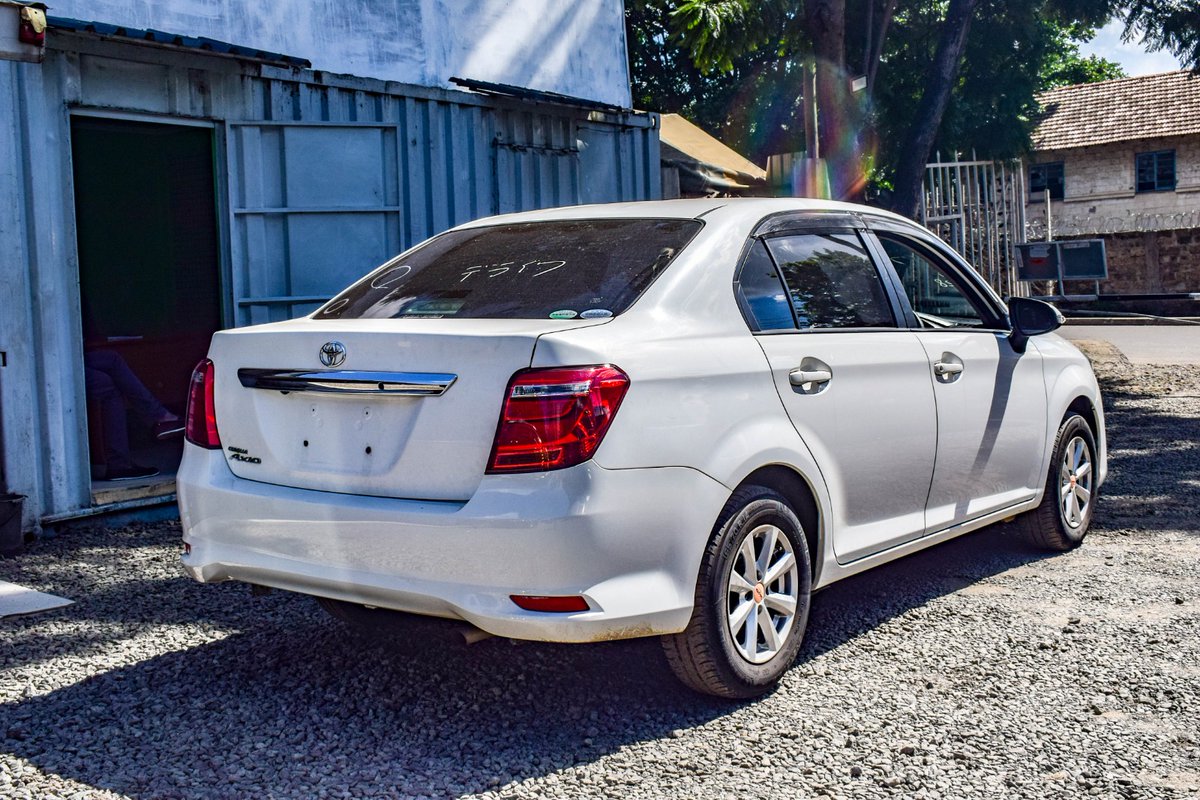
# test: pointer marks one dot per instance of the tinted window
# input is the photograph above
(1156, 171)
(935, 297)
(588, 268)
(1046, 176)
(762, 292)
(831, 281)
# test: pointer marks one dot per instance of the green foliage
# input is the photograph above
(735, 68)
(753, 105)
(716, 31)
(1172, 25)
(1016, 48)
(1070, 68)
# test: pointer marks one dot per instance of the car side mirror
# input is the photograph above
(1031, 317)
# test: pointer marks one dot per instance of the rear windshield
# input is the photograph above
(533, 270)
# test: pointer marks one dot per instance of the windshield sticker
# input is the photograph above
(433, 308)
(566, 313)
(596, 313)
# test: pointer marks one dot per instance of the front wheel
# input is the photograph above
(1062, 519)
(752, 599)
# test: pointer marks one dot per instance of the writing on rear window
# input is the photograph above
(535, 270)
(530, 269)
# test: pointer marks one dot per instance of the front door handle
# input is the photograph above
(944, 369)
(799, 377)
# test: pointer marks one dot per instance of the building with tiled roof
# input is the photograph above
(1123, 110)
(1120, 160)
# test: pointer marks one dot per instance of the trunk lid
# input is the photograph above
(349, 434)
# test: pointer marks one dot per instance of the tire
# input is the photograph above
(1061, 520)
(714, 654)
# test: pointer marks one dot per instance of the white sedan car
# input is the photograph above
(671, 419)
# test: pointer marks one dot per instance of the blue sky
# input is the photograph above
(1132, 56)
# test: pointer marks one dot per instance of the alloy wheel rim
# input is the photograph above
(1075, 482)
(762, 594)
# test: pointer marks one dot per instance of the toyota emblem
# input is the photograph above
(333, 354)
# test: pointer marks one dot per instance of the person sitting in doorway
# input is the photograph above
(111, 384)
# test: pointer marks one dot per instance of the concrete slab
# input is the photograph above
(15, 600)
(1144, 344)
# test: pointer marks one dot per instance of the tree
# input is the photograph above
(743, 66)
(922, 131)
(1167, 25)
(1066, 66)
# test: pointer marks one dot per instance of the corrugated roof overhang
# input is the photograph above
(706, 163)
(164, 39)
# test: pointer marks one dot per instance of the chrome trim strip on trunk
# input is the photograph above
(335, 381)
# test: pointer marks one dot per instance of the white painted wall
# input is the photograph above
(574, 47)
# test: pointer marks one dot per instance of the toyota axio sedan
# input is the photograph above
(672, 419)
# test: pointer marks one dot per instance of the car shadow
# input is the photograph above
(412, 716)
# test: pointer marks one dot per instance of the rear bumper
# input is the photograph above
(629, 541)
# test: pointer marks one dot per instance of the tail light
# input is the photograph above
(201, 425)
(555, 418)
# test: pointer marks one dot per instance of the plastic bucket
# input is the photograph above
(12, 541)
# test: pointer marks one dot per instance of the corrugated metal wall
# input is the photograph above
(320, 194)
(321, 178)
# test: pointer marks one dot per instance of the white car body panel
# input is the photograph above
(1068, 376)
(583, 530)
(879, 400)
(427, 531)
(991, 417)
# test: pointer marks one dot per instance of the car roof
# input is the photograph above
(684, 209)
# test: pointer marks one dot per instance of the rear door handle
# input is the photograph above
(799, 377)
(945, 368)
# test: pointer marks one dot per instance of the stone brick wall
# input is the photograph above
(1101, 196)
(1154, 262)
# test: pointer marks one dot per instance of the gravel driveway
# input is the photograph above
(975, 669)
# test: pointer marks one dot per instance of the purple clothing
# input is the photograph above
(109, 382)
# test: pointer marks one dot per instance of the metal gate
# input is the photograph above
(978, 208)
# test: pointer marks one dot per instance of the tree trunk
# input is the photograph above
(878, 36)
(918, 143)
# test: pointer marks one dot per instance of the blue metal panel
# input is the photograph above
(323, 177)
(313, 206)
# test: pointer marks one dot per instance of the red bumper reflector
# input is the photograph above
(561, 604)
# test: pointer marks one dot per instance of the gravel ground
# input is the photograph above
(976, 669)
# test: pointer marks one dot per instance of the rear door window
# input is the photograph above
(831, 281)
(532, 270)
(761, 291)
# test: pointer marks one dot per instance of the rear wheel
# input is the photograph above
(1062, 519)
(752, 599)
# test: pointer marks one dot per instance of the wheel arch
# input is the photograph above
(1072, 389)
(800, 495)
(1083, 406)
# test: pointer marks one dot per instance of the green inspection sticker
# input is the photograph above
(566, 313)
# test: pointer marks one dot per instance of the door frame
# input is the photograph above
(82, 465)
